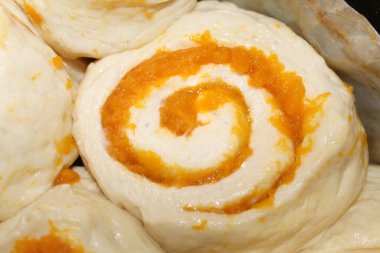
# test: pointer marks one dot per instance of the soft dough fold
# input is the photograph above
(357, 230)
(91, 28)
(36, 101)
(77, 219)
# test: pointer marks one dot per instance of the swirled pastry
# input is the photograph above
(228, 132)
(74, 219)
(92, 28)
(357, 231)
(36, 100)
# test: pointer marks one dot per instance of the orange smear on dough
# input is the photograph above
(33, 14)
(49, 243)
(66, 176)
(57, 62)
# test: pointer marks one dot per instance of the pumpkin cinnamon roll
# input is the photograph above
(93, 28)
(228, 133)
(36, 102)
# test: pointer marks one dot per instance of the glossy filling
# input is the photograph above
(66, 176)
(179, 112)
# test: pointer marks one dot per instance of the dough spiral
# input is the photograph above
(219, 132)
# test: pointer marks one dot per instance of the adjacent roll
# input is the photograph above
(91, 28)
(74, 219)
(357, 231)
(228, 133)
(36, 101)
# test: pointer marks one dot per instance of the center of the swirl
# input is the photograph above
(179, 112)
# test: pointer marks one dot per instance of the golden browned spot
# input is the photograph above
(52, 242)
(33, 14)
(57, 62)
(65, 145)
(349, 118)
(178, 114)
(66, 176)
(201, 226)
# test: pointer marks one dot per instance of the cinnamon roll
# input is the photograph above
(228, 132)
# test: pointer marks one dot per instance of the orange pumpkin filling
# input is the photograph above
(51, 242)
(66, 176)
(33, 14)
(179, 111)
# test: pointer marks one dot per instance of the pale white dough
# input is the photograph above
(328, 180)
(87, 219)
(35, 116)
(93, 28)
(357, 231)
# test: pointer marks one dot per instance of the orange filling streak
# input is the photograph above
(57, 62)
(179, 116)
(65, 145)
(200, 226)
(66, 176)
(69, 84)
(47, 244)
(33, 14)
(263, 199)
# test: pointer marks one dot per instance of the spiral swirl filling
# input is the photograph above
(180, 115)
